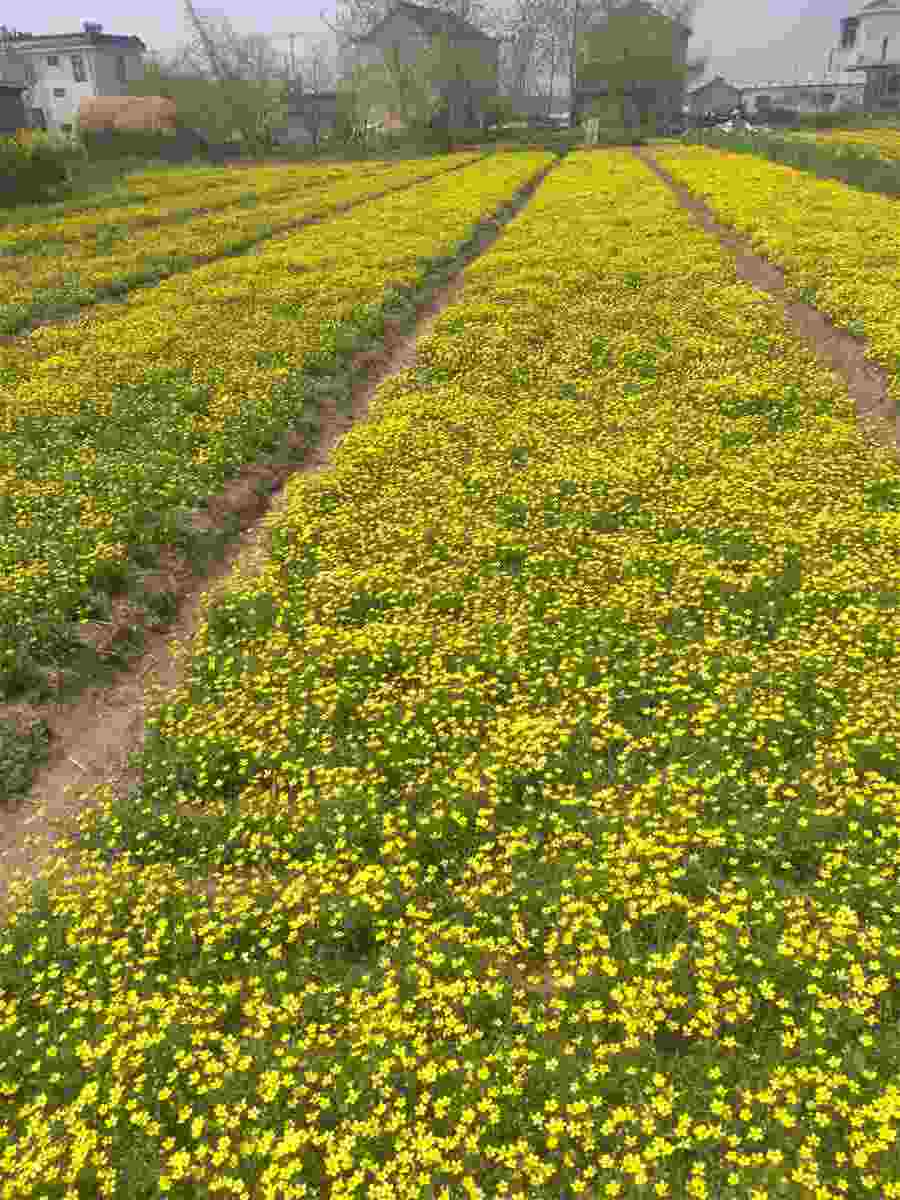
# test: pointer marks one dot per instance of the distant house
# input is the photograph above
(59, 70)
(311, 116)
(869, 48)
(801, 97)
(669, 102)
(717, 96)
(411, 28)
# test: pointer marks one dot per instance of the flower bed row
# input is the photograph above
(150, 200)
(60, 274)
(839, 248)
(527, 825)
(118, 425)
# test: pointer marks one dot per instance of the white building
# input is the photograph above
(869, 50)
(62, 69)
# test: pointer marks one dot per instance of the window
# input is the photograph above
(893, 86)
(120, 68)
(848, 32)
(884, 42)
(59, 93)
(78, 68)
(763, 101)
(30, 74)
(52, 60)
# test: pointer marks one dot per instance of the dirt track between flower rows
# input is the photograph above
(94, 738)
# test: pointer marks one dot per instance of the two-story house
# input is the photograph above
(59, 70)
(408, 29)
(668, 101)
(870, 45)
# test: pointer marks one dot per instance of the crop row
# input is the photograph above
(579, 665)
(839, 248)
(148, 205)
(112, 258)
(114, 427)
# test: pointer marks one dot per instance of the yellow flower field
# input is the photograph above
(114, 426)
(82, 255)
(839, 247)
(528, 826)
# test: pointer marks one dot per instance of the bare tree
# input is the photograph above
(248, 74)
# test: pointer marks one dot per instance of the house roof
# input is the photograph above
(640, 6)
(25, 41)
(710, 83)
(890, 4)
(432, 21)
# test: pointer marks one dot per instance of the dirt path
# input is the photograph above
(844, 353)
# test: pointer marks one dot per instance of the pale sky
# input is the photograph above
(747, 41)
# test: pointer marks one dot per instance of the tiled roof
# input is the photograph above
(431, 20)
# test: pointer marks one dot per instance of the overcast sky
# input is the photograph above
(747, 41)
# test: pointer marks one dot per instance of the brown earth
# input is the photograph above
(94, 738)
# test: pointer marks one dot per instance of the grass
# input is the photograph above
(580, 666)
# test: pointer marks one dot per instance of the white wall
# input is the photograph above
(100, 78)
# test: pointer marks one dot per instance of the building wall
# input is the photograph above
(670, 103)
(809, 98)
(57, 91)
(410, 40)
(718, 97)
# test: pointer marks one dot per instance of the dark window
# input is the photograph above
(120, 68)
(78, 68)
(893, 86)
(848, 32)
(59, 92)
(884, 42)
(763, 101)
(52, 60)
(828, 98)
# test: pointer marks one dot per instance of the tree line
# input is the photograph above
(239, 85)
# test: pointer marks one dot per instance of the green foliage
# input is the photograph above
(32, 168)
(637, 55)
(20, 757)
(218, 109)
(857, 166)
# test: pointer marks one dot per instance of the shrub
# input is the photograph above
(32, 166)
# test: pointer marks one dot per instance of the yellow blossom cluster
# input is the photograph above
(90, 255)
(839, 247)
(527, 825)
(113, 426)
